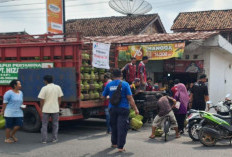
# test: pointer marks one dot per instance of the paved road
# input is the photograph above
(88, 139)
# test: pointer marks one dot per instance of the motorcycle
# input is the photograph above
(194, 118)
(214, 128)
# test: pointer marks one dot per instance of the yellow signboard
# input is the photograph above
(55, 16)
(159, 51)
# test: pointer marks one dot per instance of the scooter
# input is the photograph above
(214, 128)
(194, 118)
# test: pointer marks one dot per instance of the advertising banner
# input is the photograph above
(184, 66)
(159, 51)
(9, 71)
(101, 54)
(55, 16)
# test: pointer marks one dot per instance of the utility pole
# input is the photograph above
(64, 31)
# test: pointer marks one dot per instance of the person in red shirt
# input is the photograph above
(142, 73)
(174, 88)
(149, 86)
(130, 71)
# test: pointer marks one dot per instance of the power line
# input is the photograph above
(20, 10)
(85, 4)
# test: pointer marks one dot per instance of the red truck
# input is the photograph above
(23, 55)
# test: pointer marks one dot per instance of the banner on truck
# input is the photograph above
(101, 54)
(9, 71)
(159, 51)
(54, 16)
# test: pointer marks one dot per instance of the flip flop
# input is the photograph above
(121, 150)
(114, 146)
(178, 136)
(152, 136)
(14, 138)
(8, 141)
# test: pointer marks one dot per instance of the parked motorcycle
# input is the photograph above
(194, 118)
(214, 128)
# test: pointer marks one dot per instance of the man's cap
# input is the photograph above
(203, 76)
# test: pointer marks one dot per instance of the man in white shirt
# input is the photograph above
(50, 100)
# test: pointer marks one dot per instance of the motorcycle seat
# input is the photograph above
(222, 117)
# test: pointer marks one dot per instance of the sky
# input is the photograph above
(30, 15)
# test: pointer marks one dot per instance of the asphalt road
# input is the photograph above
(89, 139)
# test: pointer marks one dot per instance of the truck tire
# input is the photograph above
(32, 121)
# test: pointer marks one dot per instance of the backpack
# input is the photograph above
(116, 96)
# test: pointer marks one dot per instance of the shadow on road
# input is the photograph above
(78, 130)
(107, 153)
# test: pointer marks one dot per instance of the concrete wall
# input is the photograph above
(220, 74)
(217, 69)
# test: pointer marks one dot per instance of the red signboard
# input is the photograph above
(184, 66)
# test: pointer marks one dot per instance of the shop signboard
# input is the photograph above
(155, 51)
(9, 71)
(101, 53)
(184, 66)
(54, 16)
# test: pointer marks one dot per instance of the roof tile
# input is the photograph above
(159, 37)
(204, 21)
(106, 26)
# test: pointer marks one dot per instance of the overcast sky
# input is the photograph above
(30, 15)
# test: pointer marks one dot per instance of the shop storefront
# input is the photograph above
(165, 61)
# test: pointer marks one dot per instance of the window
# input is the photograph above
(186, 56)
(195, 56)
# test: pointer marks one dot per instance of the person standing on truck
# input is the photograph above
(130, 71)
(50, 100)
(142, 73)
(119, 115)
(12, 111)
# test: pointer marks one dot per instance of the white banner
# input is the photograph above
(101, 54)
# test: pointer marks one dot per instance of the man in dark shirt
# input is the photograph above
(199, 94)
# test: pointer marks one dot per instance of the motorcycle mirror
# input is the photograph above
(228, 95)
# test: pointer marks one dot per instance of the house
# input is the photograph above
(8, 34)
(213, 20)
(120, 26)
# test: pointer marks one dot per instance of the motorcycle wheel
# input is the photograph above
(192, 131)
(206, 139)
(166, 129)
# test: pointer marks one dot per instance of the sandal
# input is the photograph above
(8, 141)
(121, 150)
(14, 138)
(178, 136)
(114, 146)
(152, 136)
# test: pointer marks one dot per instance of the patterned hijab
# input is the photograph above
(182, 94)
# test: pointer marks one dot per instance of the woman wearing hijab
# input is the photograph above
(183, 97)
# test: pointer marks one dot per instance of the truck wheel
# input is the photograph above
(32, 121)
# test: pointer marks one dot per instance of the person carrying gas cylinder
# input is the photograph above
(130, 71)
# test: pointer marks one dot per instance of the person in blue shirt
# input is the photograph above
(119, 115)
(12, 101)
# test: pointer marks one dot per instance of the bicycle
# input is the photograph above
(167, 125)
